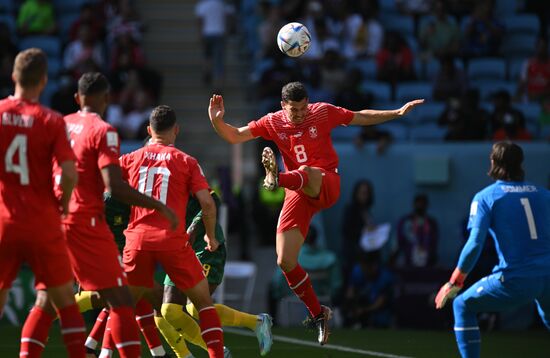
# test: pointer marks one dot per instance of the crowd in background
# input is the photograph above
(80, 36)
(483, 66)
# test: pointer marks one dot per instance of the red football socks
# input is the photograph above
(212, 332)
(298, 281)
(145, 318)
(97, 330)
(35, 332)
(73, 330)
(293, 180)
(124, 331)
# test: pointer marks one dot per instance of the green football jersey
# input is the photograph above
(194, 218)
(117, 215)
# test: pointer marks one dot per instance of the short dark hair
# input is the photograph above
(293, 91)
(92, 83)
(30, 67)
(162, 118)
(507, 159)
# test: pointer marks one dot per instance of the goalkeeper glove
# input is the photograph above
(450, 289)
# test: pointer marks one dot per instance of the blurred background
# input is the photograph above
(380, 254)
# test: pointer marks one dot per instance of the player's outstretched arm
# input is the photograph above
(208, 208)
(231, 134)
(121, 190)
(368, 117)
(69, 178)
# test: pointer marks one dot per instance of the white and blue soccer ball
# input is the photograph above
(293, 39)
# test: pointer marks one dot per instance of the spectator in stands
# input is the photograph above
(84, 53)
(450, 80)
(465, 119)
(315, 90)
(418, 235)
(357, 218)
(544, 118)
(364, 33)
(8, 51)
(63, 99)
(542, 10)
(483, 32)
(88, 16)
(130, 115)
(369, 294)
(123, 20)
(351, 96)
(332, 70)
(314, 20)
(535, 76)
(36, 17)
(506, 121)
(126, 54)
(395, 60)
(440, 35)
(321, 264)
(215, 18)
(269, 27)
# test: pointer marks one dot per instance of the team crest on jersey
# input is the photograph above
(313, 132)
(282, 136)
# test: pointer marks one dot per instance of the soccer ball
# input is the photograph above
(293, 39)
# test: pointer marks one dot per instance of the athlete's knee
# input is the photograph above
(117, 297)
(43, 301)
(285, 263)
(170, 311)
(459, 305)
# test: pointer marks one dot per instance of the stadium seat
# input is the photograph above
(429, 112)
(69, 6)
(487, 88)
(428, 70)
(487, 69)
(427, 132)
(49, 44)
(519, 45)
(10, 23)
(366, 66)
(48, 92)
(380, 90)
(345, 134)
(531, 111)
(515, 66)
(413, 90)
(505, 7)
(236, 272)
(396, 22)
(387, 6)
(522, 24)
(544, 132)
(54, 67)
(6, 7)
(398, 129)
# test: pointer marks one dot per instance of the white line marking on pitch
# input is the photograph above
(316, 345)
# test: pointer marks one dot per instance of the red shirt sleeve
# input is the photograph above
(338, 116)
(198, 181)
(108, 147)
(62, 150)
(259, 128)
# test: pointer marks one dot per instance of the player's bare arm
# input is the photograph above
(121, 190)
(69, 178)
(368, 117)
(231, 134)
(208, 207)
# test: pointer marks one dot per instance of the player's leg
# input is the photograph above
(492, 293)
(97, 331)
(173, 309)
(34, 333)
(145, 318)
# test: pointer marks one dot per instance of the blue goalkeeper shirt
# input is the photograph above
(517, 215)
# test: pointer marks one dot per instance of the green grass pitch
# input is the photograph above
(296, 342)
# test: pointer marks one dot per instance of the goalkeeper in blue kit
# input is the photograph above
(517, 215)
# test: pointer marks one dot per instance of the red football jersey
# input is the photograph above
(32, 137)
(96, 145)
(169, 175)
(307, 143)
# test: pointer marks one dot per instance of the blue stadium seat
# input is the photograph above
(48, 92)
(396, 22)
(533, 127)
(487, 88)
(522, 24)
(398, 130)
(6, 7)
(54, 67)
(487, 69)
(345, 134)
(366, 66)
(505, 7)
(10, 23)
(531, 110)
(519, 45)
(429, 70)
(428, 132)
(544, 132)
(65, 22)
(49, 44)
(387, 6)
(413, 90)
(69, 6)
(429, 112)
(515, 66)
(380, 90)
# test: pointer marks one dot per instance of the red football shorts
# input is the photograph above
(43, 248)
(181, 265)
(298, 208)
(94, 255)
